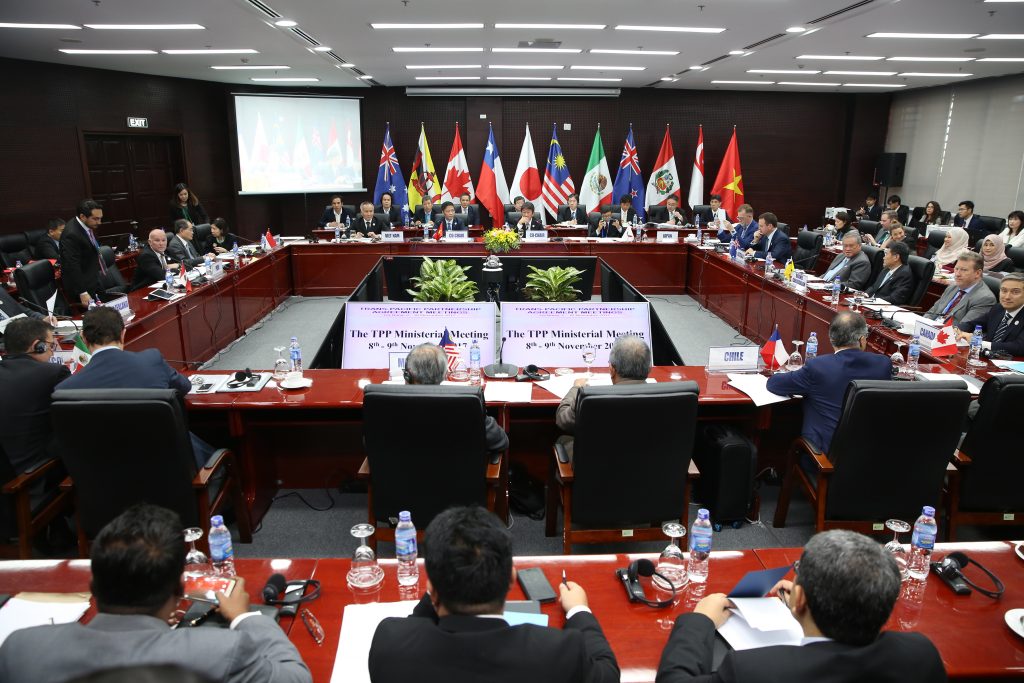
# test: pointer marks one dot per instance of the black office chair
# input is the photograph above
(945, 217)
(910, 237)
(112, 281)
(19, 522)
(875, 256)
(784, 228)
(507, 209)
(1016, 255)
(13, 248)
(128, 446)
(437, 459)
(657, 214)
(33, 237)
(558, 209)
(993, 284)
(382, 217)
(935, 240)
(808, 247)
(993, 224)
(593, 218)
(868, 227)
(922, 271)
(700, 209)
(864, 480)
(202, 238)
(916, 213)
(512, 217)
(37, 284)
(985, 488)
(621, 484)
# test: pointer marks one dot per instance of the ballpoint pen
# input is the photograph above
(565, 580)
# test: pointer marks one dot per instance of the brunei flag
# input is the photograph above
(774, 351)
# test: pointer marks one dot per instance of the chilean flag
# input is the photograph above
(493, 189)
(774, 351)
(945, 341)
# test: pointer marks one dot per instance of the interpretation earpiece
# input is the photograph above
(39, 347)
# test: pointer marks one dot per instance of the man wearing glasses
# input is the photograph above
(846, 585)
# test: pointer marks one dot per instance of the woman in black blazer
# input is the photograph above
(221, 241)
(185, 204)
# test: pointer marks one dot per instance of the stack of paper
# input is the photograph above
(39, 609)
(759, 622)
(756, 387)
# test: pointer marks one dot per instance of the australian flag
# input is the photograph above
(628, 179)
(389, 175)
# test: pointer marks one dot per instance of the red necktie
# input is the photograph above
(953, 302)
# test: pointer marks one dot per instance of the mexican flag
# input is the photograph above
(596, 188)
(80, 355)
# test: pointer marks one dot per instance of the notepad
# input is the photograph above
(760, 622)
(36, 609)
(756, 387)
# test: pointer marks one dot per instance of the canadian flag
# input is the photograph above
(456, 176)
(945, 341)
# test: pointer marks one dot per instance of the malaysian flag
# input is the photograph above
(450, 350)
(558, 183)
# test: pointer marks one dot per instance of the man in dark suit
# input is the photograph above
(335, 214)
(968, 297)
(1002, 324)
(871, 210)
(447, 221)
(425, 212)
(572, 213)
(528, 219)
(626, 214)
(387, 205)
(9, 308)
(111, 367)
(853, 268)
(180, 247)
(48, 247)
(975, 226)
(137, 562)
(670, 213)
(456, 633)
(367, 225)
(745, 229)
(895, 283)
(902, 212)
(81, 263)
(769, 240)
(467, 212)
(153, 262)
(845, 589)
(606, 226)
(822, 380)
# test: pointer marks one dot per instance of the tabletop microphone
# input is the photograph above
(275, 586)
(499, 369)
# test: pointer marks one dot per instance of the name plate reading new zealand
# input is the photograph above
(668, 236)
(733, 358)
(457, 236)
(536, 235)
(393, 236)
(925, 333)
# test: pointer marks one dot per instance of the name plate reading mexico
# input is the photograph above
(375, 331)
(556, 334)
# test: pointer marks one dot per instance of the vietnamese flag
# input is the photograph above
(729, 182)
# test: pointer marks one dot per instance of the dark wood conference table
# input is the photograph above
(969, 631)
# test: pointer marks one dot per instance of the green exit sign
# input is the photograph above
(138, 122)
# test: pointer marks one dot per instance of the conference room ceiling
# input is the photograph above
(755, 32)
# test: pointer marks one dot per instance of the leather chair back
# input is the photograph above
(558, 209)
(36, 283)
(382, 217)
(699, 209)
(992, 481)
(626, 474)
(935, 240)
(113, 279)
(1016, 255)
(916, 213)
(993, 284)
(784, 228)
(512, 217)
(922, 271)
(122, 447)
(875, 256)
(14, 248)
(910, 237)
(993, 224)
(885, 473)
(509, 207)
(202, 238)
(808, 247)
(868, 227)
(33, 236)
(593, 218)
(426, 447)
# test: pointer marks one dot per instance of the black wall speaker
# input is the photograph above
(890, 168)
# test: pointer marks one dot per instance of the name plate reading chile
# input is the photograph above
(393, 236)
(668, 236)
(733, 358)
(536, 235)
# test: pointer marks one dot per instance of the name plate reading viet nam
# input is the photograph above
(733, 358)
(457, 236)
(393, 236)
(926, 333)
(668, 236)
(536, 235)
(376, 331)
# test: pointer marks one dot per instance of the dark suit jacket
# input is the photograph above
(79, 262)
(535, 223)
(12, 308)
(780, 247)
(659, 214)
(745, 236)
(617, 213)
(419, 216)
(148, 269)
(196, 214)
(976, 304)
(578, 217)
(892, 658)
(902, 214)
(394, 213)
(375, 226)
(855, 273)
(328, 216)
(471, 215)
(897, 288)
(822, 382)
(25, 430)
(117, 369)
(179, 252)
(466, 649)
(610, 229)
(441, 224)
(46, 248)
(875, 213)
(1013, 344)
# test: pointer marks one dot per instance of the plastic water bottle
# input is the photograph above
(474, 363)
(913, 355)
(426, 231)
(812, 346)
(234, 254)
(221, 553)
(208, 264)
(700, 547)
(974, 355)
(168, 281)
(837, 287)
(348, 222)
(805, 228)
(700, 233)
(732, 249)
(921, 543)
(17, 264)
(405, 550)
(337, 233)
(295, 354)
(405, 215)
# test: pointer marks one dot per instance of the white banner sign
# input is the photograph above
(557, 334)
(376, 331)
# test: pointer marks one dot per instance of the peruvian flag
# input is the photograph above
(493, 190)
(945, 341)
(456, 176)
(697, 177)
(664, 181)
(729, 182)
(526, 181)
(774, 351)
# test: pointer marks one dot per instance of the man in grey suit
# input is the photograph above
(137, 561)
(854, 268)
(968, 297)
(180, 247)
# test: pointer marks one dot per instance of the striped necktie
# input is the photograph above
(954, 301)
(1003, 329)
(96, 246)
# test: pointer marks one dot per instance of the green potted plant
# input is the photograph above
(553, 284)
(443, 281)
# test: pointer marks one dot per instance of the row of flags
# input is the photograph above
(556, 184)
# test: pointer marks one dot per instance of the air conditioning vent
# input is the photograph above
(264, 9)
(306, 37)
(841, 11)
(762, 42)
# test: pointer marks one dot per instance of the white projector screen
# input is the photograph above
(291, 144)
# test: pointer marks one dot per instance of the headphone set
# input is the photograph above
(630, 578)
(950, 571)
(532, 372)
(242, 378)
(40, 347)
(294, 593)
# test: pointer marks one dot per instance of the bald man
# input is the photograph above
(152, 263)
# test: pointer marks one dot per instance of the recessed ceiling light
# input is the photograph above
(107, 52)
(346, 65)
(365, 77)
(426, 27)
(538, 50)
(233, 51)
(519, 78)
(850, 58)
(669, 78)
(525, 66)
(671, 29)
(447, 78)
(285, 80)
(814, 83)
(286, 23)
(583, 67)
(935, 74)
(781, 71)
(930, 59)
(935, 36)
(696, 68)
(579, 78)
(1002, 36)
(443, 66)
(437, 49)
(146, 27)
(57, 26)
(810, 31)
(249, 67)
(322, 48)
(860, 73)
(795, 29)
(660, 53)
(584, 27)
(735, 52)
(1002, 59)
(874, 85)
(745, 82)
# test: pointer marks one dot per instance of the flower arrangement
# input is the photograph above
(499, 241)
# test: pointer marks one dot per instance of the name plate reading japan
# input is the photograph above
(456, 236)
(926, 333)
(536, 235)
(733, 358)
(374, 331)
(557, 334)
(668, 236)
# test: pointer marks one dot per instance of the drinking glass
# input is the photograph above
(196, 561)
(589, 354)
(796, 361)
(894, 546)
(671, 563)
(364, 573)
(899, 365)
(281, 365)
